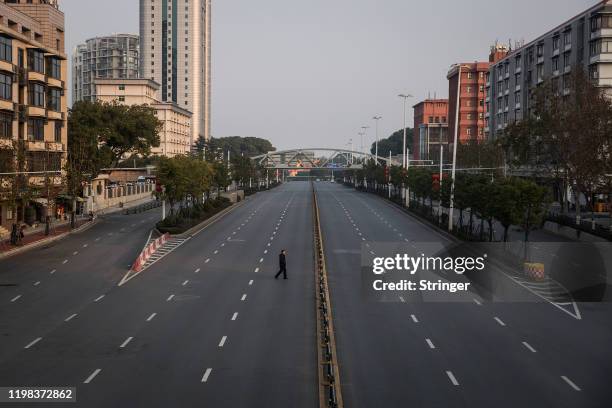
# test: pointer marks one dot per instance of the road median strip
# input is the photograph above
(330, 392)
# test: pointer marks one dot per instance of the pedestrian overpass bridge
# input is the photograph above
(317, 158)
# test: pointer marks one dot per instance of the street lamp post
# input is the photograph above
(405, 156)
(376, 118)
(455, 140)
(365, 133)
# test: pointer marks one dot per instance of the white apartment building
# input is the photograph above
(175, 52)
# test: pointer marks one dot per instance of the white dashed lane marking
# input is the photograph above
(206, 375)
(92, 376)
(125, 343)
(15, 298)
(33, 342)
(151, 317)
(571, 383)
(98, 298)
(69, 318)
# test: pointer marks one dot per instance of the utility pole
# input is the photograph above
(440, 183)
(404, 153)
(376, 118)
(456, 137)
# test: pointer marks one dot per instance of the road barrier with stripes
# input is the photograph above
(534, 270)
(330, 393)
(148, 251)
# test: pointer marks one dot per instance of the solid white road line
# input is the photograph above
(170, 298)
(235, 316)
(251, 282)
(571, 383)
(451, 376)
(256, 270)
(186, 282)
(243, 297)
(206, 375)
(15, 298)
(151, 317)
(33, 342)
(498, 320)
(197, 270)
(430, 344)
(98, 298)
(52, 271)
(414, 318)
(126, 342)
(222, 342)
(477, 302)
(529, 347)
(36, 283)
(69, 318)
(92, 376)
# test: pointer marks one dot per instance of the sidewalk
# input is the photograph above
(117, 208)
(36, 236)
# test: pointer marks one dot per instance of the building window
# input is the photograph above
(54, 68)
(36, 61)
(556, 41)
(6, 49)
(122, 98)
(567, 38)
(36, 94)
(6, 125)
(54, 99)
(540, 50)
(36, 129)
(6, 86)
(566, 59)
(58, 131)
(555, 64)
(122, 87)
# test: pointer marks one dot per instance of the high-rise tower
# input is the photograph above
(175, 52)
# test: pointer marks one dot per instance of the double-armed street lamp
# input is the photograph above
(376, 118)
(363, 135)
(455, 141)
(404, 155)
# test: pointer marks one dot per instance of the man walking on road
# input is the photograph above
(282, 263)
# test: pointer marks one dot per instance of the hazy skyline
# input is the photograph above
(310, 74)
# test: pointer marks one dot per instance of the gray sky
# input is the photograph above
(311, 73)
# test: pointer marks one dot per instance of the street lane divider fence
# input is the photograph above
(330, 393)
(148, 251)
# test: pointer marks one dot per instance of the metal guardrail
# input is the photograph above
(143, 207)
(330, 393)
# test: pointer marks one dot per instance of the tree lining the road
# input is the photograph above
(236, 145)
(394, 143)
(568, 137)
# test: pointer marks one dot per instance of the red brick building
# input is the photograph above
(471, 100)
(430, 128)
(472, 106)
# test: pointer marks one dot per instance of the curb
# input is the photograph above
(196, 229)
(49, 240)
